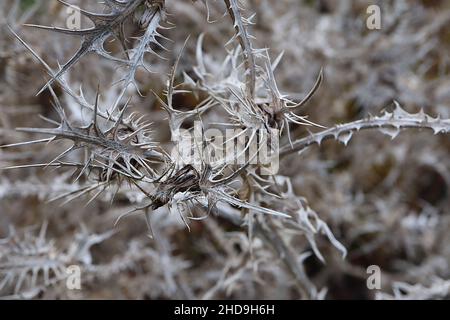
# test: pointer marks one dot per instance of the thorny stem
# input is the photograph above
(103, 26)
(78, 98)
(244, 40)
(370, 123)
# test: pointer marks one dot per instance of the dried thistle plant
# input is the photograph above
(121, 156)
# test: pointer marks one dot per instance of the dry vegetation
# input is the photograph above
(88, 177)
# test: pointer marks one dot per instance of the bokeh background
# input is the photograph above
(387, 201)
